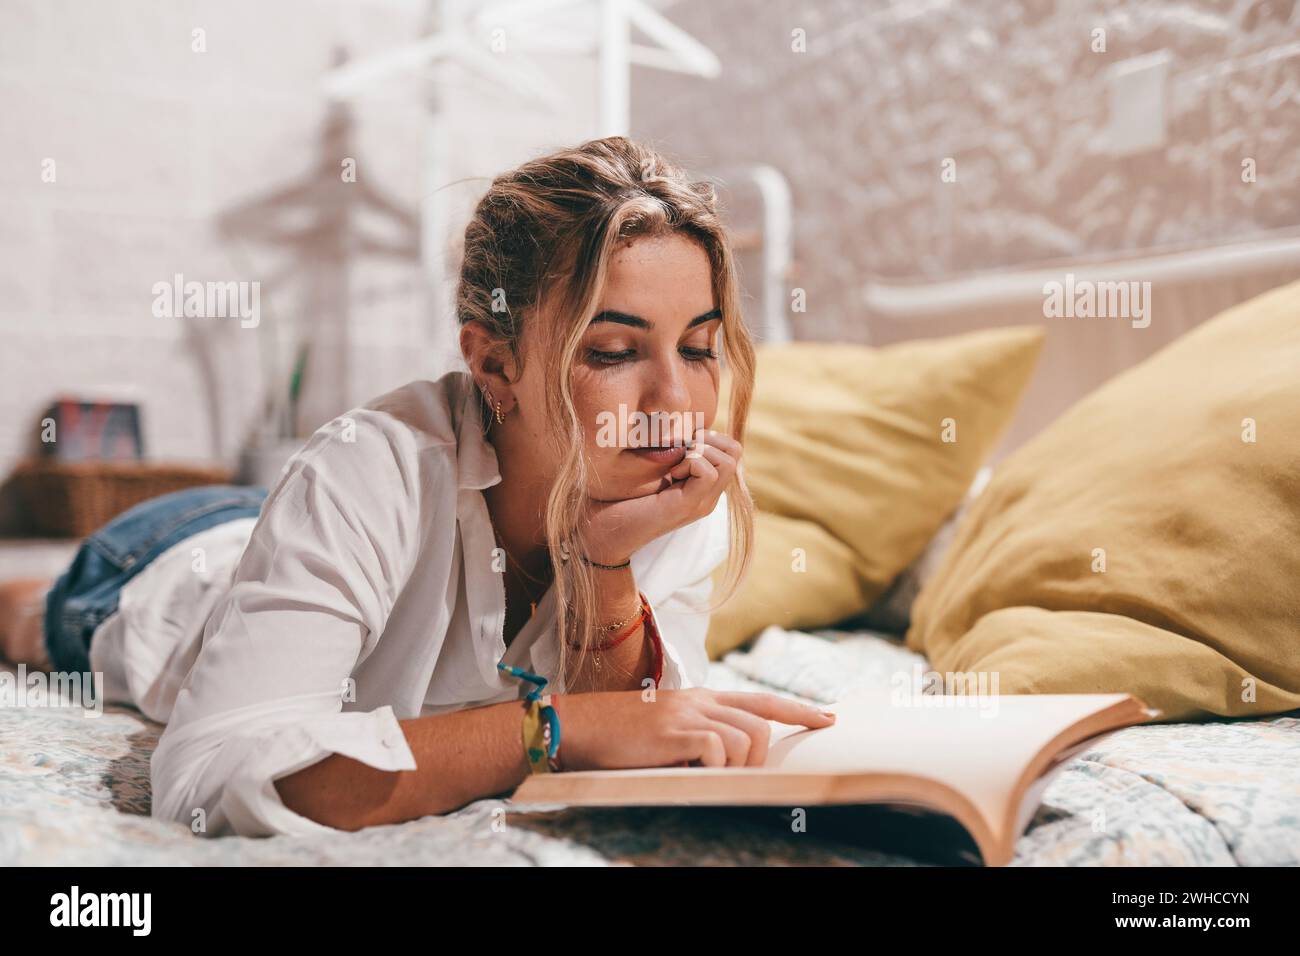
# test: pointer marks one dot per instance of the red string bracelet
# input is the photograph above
(652, 632)
(643, 616)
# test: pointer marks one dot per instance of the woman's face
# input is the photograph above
(646, 371)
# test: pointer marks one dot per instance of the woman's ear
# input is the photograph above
(474, 340)
(490, 362)
(481, 354)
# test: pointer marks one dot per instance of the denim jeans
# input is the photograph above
(88, 592)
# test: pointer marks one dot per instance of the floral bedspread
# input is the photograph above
(75, 791)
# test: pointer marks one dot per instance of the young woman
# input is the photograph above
(338, 653)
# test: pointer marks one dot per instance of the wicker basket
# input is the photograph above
(75, 498)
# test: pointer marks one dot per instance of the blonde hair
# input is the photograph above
(548, 229)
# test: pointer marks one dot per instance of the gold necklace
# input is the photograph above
(505, 601)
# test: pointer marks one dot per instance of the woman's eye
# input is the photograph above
(610, 358)
(614, 358)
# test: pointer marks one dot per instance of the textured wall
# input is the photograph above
(153, 143)
(861, 122)
(170, 160)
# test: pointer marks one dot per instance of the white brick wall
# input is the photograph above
(153, 143)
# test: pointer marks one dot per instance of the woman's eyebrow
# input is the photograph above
(613, 315)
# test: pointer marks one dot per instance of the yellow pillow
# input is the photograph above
(1149, 540)
(866, 451)
(794, 589)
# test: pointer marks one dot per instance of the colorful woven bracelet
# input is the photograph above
(541, 727)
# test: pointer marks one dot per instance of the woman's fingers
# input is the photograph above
(725, 459)
(690, 493)
(682, 469)
(776, 707)
(735, 742)
(705, 746)
(720, 440)
(756, 729)
(716, 468)
(689, 465)
(705, 437)
(744, 737)
(724, 462)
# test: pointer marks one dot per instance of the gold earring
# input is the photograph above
(500, 418)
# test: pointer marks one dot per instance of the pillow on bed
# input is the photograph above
(892, 611)
(823, 587)
(1148, 541)
(858, 455)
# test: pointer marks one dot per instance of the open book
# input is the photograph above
(983, 761)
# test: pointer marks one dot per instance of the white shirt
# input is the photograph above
(371, 560)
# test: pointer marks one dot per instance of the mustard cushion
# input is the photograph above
(865, 452)
(801, 577)
(1149, 540)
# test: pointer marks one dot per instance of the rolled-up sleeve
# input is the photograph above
(682, 619)
(308, 601)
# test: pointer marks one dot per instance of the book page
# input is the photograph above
(979, 746)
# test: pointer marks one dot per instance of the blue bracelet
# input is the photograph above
(548, 711)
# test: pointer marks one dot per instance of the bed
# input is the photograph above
(75, 791)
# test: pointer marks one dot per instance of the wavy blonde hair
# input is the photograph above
(539, 243)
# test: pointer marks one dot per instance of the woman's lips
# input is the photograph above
(670, 455)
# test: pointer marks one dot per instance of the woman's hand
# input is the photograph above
(615, 529)
(621, 730)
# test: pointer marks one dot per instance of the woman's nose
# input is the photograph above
(671, 382)
(668, 404)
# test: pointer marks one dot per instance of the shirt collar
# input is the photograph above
(476, 459)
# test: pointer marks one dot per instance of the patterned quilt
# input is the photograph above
(75, 791)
